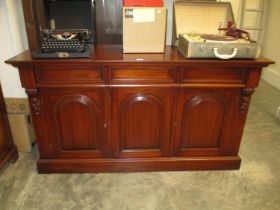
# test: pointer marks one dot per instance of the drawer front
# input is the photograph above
(69, 75)
(140, 75)
(213, 75)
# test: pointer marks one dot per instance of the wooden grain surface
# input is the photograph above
(138, 112)
(113, 54)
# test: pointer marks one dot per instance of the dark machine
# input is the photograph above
(70, 28)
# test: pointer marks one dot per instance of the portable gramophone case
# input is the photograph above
(196, 32)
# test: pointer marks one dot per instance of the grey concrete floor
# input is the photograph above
(255, 186)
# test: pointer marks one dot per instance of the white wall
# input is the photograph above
(13, 41)
(272, 44)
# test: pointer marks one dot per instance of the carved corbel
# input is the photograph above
(245, 98)
(34, 100)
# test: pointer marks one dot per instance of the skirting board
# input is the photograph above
(271, 76)
(138, 165)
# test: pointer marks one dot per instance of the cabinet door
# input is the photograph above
(71, 123)
(204, 118)
(141, 121)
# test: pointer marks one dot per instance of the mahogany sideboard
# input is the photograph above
(138, 112)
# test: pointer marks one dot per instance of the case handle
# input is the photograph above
(225, 56)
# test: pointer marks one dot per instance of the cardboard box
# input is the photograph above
(143, 3)
(20, 123)
(144, 29)
(22, 131)
(17, 105)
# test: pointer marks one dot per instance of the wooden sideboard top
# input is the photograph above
(104, 54)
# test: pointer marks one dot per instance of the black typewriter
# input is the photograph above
(64, 44)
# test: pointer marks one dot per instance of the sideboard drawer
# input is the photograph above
(68, 75)
(213, 75)
(142, 75)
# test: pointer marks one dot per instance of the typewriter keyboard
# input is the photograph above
(51, 44)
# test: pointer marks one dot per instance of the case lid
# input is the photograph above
(201, 17)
